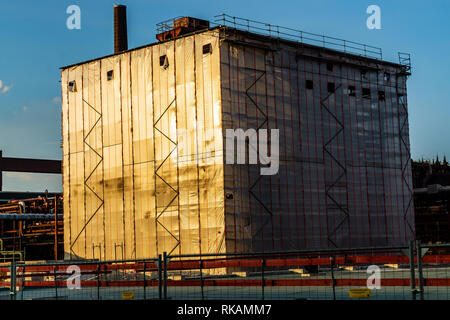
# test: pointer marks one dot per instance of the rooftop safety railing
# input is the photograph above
(299, 36)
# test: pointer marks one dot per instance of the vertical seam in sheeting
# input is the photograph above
(288, 234)
(178, 150)
(380, 128)
(366, 170)
(276, 125)
(154, 153)
(231, 166)
(196, 145)
(84, 159)
(341, 76)
(360, 175)
(123, 162)
(294, 160)
(103, 166)
(69, 167)
(325, 176)
(279, 208)
(389, 168)
(240, 173)
(248, 165)
(319, 110)
(372, 132)
(299, 112)
(267, 124)
(308, 163)
(225, 229)
(394, 139)
(350, 235)
(132, 156)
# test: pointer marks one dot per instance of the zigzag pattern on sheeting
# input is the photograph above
(403, 128)
(160, 214)
(269, 213)
(329, 188)
(86, 181)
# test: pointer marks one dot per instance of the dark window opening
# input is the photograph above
(72, 86)
(110, 75)
(386, 77)
(329, 66)
(381, 96)
(364, 73)
(207, 48)
(351, 91)
(331, 87)
(309, 84)
(163, 61)
(229, 196)
(366, 93)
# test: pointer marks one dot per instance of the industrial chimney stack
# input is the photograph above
(120, 28)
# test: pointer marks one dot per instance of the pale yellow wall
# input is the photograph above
(112, 149)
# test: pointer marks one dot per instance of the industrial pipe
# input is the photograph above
(30, 216)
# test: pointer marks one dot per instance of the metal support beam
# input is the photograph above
(28, 165)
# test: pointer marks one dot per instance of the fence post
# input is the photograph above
(54, 281)
(22, 289)
(165, 273)
(419, 269)
(262, 278)
(201, 279)
(145, 283)
(98, 281)
(412, 271)
(12, 277)
(160, 276)
(333, 282)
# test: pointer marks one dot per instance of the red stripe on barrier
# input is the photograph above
(388, 282)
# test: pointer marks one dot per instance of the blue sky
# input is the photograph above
(35, 42)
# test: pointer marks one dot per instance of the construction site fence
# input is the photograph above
(364, 273)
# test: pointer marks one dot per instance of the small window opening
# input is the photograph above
(309, 84)
(366, 93)
(163, 61)
(381, 96)
(386, 77)
(207, 48)
(351, 91)
(331, 87)
(110, 75)
(364, 73)
(329, 66)
(229, 196)
(72, 86)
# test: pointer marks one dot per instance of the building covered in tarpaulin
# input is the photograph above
(144, 143)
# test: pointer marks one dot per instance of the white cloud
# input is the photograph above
(4, 88)
(25, 108)
(56, 99)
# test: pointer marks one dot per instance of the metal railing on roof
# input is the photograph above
(166, 25)
(299, 36)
